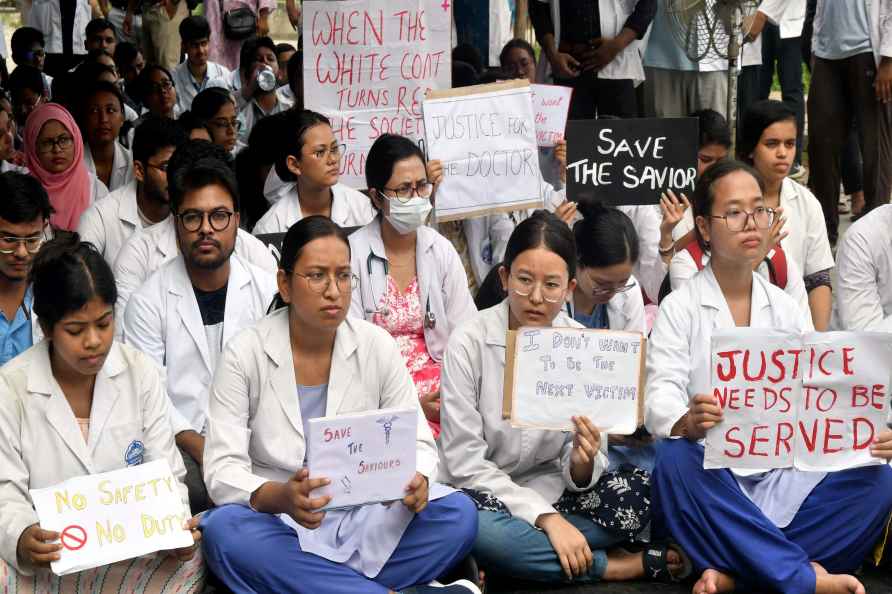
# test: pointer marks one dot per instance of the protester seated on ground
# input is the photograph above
(108, 224)
(147, 251)
(24, 216)
(783, 530)
(265, 537)
(284, 52)
(863, 291)
(100, 34)
(155, 90)
(74, 404)
(101, 117)
(54, 153)
(186, 312)
(310, 161)
(216, 108)
(768, 143)
(27, 91)
(28, 48)
(10, 158)
(257, 70)
(196, 73)
(130, 62)
(414, 286)
(525, 482)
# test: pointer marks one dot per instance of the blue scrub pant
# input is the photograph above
(715, 523)
(509, 546)
(256, 552)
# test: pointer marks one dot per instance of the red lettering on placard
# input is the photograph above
(737, 442)
(754, 439)
(781, 439)
(729, 373)
(865, 443)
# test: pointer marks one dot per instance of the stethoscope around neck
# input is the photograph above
(430, 318)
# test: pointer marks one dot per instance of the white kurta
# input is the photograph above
(349, 208)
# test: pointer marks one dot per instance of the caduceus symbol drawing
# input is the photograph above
(387, 424)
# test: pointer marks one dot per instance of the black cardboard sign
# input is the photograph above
(631, 161)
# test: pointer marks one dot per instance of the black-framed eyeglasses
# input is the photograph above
(61, 142)
(318, 282)
(10, 244)
(405, 192)
(224, 124)
(736, 220)
(192, 220)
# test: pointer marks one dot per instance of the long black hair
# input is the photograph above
(542, 229)
(605, 236)
(66, 274)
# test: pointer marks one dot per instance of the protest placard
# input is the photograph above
(486, 138)
(631, 161)
(553, 374)
(112, 516)
(367, 66)
(369, 457)
(812, 401)
(551, 103)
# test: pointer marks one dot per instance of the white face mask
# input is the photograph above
(406, 218)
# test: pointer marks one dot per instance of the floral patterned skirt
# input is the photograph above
(619, 502)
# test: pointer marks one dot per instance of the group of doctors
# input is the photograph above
(250, 348)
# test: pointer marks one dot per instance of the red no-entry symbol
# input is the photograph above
(73, 537)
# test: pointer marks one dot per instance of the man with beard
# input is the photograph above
(24, 213)
(188, 310)
(110, 222)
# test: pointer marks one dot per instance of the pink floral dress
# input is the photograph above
(405, 322)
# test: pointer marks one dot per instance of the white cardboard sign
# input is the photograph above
(369, 457)
(558, 373)
(551, 104)
(812, 401)
(368, 65)
(112, 516)
(485, 136)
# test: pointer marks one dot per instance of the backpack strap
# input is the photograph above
(696, 253)
(777, 267)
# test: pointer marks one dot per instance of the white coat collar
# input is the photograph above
(128, 210)
(711, 296)
(340, 205)
(424, 239)
(275, 332)
(495, 323)
(120, 164)
(187, 306)
(58, 411)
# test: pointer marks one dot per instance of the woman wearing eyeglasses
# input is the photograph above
(215, 107)
(768, 143)
(411, 279)
(781, 530)
(156, 91)
(305, 360)
(310, 162)
(539, 518)
(54, 153)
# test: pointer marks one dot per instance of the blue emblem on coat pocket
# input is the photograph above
(134, 454)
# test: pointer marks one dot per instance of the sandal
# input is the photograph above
(656, 564)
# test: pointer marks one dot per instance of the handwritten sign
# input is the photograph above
(551, 103)
(369, 457)
(112, 516)
(631, 161)
(814, 401)
(553, 374)
(368, 65)
(485, 136)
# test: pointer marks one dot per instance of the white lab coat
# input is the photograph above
(255, 432)
(122, 167)
(682, 269)
(46, 16)
(349, 208)
(42, 444)
(163, 321)
(863, 292)
(109, 223)
(880, 14)
(442, 282)
(613, 16)
(789, 15)
(807, 243)
(678, 355)
(147, 250)
(625, 311)
(526, 469)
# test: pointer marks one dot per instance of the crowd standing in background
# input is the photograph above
(184, 264)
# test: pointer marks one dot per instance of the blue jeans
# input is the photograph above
(510, 546)
(255, 552)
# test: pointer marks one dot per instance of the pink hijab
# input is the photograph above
(71, 191)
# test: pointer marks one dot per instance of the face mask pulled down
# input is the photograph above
(406, 218)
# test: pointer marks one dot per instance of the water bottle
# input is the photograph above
(266, 79)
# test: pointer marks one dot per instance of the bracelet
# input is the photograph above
(667, 251)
